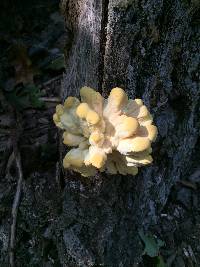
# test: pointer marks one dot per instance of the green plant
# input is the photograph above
(25, 97)
(152, 247)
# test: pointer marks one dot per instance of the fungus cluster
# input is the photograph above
(112, 135)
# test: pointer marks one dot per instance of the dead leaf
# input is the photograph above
(24, 70)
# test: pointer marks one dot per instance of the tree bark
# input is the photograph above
(149, 48)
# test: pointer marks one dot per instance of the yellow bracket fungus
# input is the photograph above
(112, 135)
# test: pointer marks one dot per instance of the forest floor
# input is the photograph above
(33, 45)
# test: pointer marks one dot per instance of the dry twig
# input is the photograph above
(52, 80)
(16, 201)
(50, 99)
(188, 184)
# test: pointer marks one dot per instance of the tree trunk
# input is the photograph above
(149, 48)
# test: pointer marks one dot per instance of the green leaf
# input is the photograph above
(160, 262)
(17, 99)
(152, 245)
(25, 97)
(34, 95)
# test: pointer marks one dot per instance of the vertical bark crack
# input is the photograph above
(103, 37)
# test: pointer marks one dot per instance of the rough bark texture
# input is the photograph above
(150, 49)
(84, 55)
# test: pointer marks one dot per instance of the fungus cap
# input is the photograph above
(82, 110)
(117, 96)
(92, 117)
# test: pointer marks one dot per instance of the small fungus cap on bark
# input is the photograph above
(112, 135)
